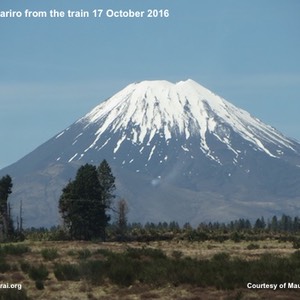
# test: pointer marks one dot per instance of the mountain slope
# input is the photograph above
(183, 110)
(179, 152)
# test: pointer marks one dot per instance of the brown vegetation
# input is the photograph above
(36, 266)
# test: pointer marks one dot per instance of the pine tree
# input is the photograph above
(274, 224)
(84, 202)
(6, 223)
(260, 223)
(107, 182)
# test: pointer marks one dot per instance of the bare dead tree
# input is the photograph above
(122, 211)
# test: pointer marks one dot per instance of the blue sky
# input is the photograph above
(53, 71)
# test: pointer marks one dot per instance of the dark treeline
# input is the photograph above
(284, 223)
(275, 224)
(284, 228)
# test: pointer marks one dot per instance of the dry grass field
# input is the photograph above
(49, 254)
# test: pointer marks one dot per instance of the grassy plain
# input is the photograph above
(28, 268)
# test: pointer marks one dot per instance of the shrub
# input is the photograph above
(84, 254)
(134, 253)
(154, 253)
(104, 252)
(14, 249)
(180, 271)
(296, 256)
(221, 257)
(49, 253)
(199, 236)
(64, 272)
(38, 273)
(122, 270)
(236, 237)
(58, 235)
(272, 268)
(147, 271)
(25, 266)
(39, 284)
(252, 246)
(149, 252)
(13, 294)
(177, 254)
(296, 244)
(94, 271)
(71, 253)
(4, 266)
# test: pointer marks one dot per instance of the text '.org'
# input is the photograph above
(11, 286)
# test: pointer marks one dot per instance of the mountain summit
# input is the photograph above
(183, 110)
(179, 152)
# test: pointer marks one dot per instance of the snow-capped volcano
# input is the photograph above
(179, 152)
(182, 109)
(143, 111)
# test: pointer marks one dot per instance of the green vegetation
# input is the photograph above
(85, 200)
(253, 246)
(49, 253)
(13, 294)
(84, 254)
(286, 229)
(4, 266)
(65, 272)
(25, 266)
(38, 273)
(136, 258)
(14, 249)
(6, 223)
(10, 249)
(39, 284)
(155, 265)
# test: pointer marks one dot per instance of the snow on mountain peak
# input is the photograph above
(185, 108)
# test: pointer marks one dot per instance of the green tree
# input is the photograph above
(84, 203)
(296, 224)
(286, 223)
(274, 224)
(6, 223)
(260, 223)
(107, 182)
